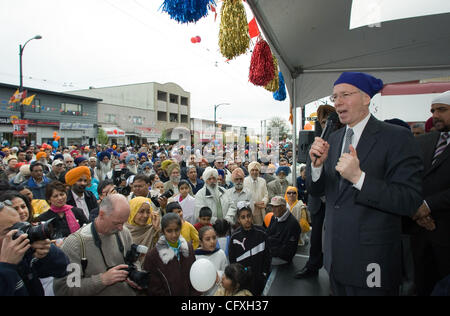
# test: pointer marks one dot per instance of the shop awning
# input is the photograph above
(114, 131)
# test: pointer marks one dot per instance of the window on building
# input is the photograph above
(110, 118)
(37, 105)
(174, 117)
(184, 118)
(72, 109)
(137, 120)
(173, 98)
(184, 101)
(162, 96)
(162, 116)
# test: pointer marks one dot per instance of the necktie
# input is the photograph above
(347, 142)
(442, 144)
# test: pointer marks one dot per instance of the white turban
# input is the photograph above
(253, 165)
(443, 98)
(210, 172)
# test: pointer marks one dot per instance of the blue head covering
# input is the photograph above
(127, 160)
(398, 122)
(141, 155)
(104, 154)
(79, 160)
(284, 169)
(365, 82)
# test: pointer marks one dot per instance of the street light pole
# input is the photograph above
(21, 48)
(215, 121)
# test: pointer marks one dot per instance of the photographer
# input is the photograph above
(23, 262)
(103, 244)
(140, 187)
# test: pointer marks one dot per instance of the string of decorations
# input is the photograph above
(234, 38)
(274, 83)
(280, 94)
(187, 11)
(261, 64)
(235, 35)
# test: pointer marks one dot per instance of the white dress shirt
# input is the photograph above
(81, 203)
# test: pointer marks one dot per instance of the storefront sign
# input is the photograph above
(76, 126)
(20, 128)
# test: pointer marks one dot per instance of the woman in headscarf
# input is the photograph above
(143, 223)
(298, 209)
(67, 219)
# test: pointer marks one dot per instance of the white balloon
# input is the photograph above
(203, 275)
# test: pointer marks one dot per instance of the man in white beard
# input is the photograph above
(237, 194)
(104, 167)
(147, 169)
(132, 166)
(258, 188)
(280, 184)
(212, 196)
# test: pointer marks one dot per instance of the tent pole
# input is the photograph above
(294, 134)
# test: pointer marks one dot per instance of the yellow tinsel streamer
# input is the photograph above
(234, 39)
(275, 83)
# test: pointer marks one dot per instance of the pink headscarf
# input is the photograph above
(70, 217)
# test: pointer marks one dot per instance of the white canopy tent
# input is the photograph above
(313, 42)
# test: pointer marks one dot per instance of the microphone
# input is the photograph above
(330, 127)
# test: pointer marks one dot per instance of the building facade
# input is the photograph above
(140, 113)
(74, 118)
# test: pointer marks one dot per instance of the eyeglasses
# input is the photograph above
(344, 95)
(291, 193)
(5, 203)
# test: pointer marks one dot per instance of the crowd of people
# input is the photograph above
(179, 210)
(135, 219)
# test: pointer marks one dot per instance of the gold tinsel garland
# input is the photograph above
(234, 39)
(275, 83)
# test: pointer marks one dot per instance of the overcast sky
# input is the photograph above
(114, 42)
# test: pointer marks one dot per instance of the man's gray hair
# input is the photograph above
(107, 205)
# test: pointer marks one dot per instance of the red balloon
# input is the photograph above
(193, 40)
(115, 132)
(199, 39)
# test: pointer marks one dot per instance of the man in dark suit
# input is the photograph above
(79, 178)
(430, 235)
(367, 190)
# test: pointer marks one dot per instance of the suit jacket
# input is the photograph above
(89, 197)
(364, 227)
(436, 189)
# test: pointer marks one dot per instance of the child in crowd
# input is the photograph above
(235, 281)
(204, 218)
(169, 263)
(208, 250)
(222, 228)
(158, 187)
(186, 201)
(248, 247)
(187, 230)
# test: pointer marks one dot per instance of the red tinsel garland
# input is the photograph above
(261, 64)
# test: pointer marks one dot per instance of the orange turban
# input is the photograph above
(73, 175)
(40, 155)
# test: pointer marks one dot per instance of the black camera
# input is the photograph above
(123, 190)
(141, 278)
(166, 194)
(43, 231)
